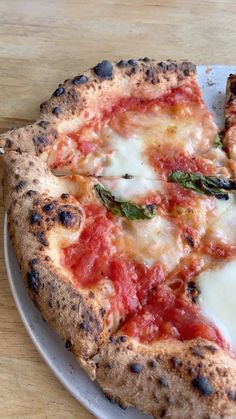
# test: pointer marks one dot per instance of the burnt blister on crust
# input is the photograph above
(33, 280)
(104, 70)
(20, 185)
(65, 218)
(57, 111)
(202, 384)
(136, 368)
(59, 91)
(80, 80)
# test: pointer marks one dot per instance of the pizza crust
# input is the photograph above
(79, 99)
(171, 379)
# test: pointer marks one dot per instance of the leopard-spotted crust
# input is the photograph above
(176, 380)
(170, 379)
(79, 99)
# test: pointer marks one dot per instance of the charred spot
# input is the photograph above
(196, 352)
(149, 73)
(84, 325)
(102, 311)
(47, 258)
(17, 176)
(176, 363)
(109, 365)
(68, 345)
(163, 382)
(110, 399)
(56, 111)
(163, 413)
(112, 339)
(64, 195)
(35, 218)
(91, 294)
(33, 280)
(104, 70)
(187, 68)
(152, 363)
(123, 338)
(233, 88)
(189, 240)
(8, 143)
(127, 176)
(48, 207)
(122, 406)
(202, 384)
(59, 91)
(43, 124)
(122, 63)
(39, 140)
(33, 262)
(74, 307)
(43, 105)
(80, 80)
(211, 348)
(162, 67)
(41, 238)
(18, 150)
(65, 218)
(191, 372)
(50, 303)
(20, 185)
(136, 368)
(132, 62)
(231, 395)
(146, 60)
(193, 290)
(30, 193)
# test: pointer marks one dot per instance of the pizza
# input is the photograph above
(121, 208)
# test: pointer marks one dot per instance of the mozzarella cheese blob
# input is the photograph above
(131, 188)
(218, 298)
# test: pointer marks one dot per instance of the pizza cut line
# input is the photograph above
(121, 209)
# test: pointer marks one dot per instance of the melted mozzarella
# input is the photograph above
(130, 188)
(127, 157)
(149, 241)
(217, 298)
(224, 226)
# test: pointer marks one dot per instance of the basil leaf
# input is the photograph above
(124, 208)
(218, 140)
(208, 185)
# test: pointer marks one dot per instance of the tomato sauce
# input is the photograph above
(95, 257)
(166, 316)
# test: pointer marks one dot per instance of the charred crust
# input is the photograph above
(233, 88)
(59, 91)
(57, 111)
(211, 348)
(163, 382)
(33, 280)
(8, 143)
(163, 413)
(68, 345)
(122, 64)
(84, 325)
(41, 238)
(193, 291)
(132, 62)
(30, 192)
(152, 363)
(231, 394)
(20, 185)
(33, 262)
(80, 80)
(175, 362)
(65, 218)
(65, 196)
(104, 70)
(196, 352)
(43, 124)
(35, 218)
(39, 141)
(123, 339)
(202, 385)
(47, 208)
(136, 368)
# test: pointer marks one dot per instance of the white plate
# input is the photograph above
(212, 80)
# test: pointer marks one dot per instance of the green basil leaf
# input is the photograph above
(124, 208)
(218, 140)
(208, 185)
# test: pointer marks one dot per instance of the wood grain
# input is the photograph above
(42, 43)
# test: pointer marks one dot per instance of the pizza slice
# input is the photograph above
(137, 218)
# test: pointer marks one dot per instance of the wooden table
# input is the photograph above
(42, 42)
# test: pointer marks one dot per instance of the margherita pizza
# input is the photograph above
(122, 210)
